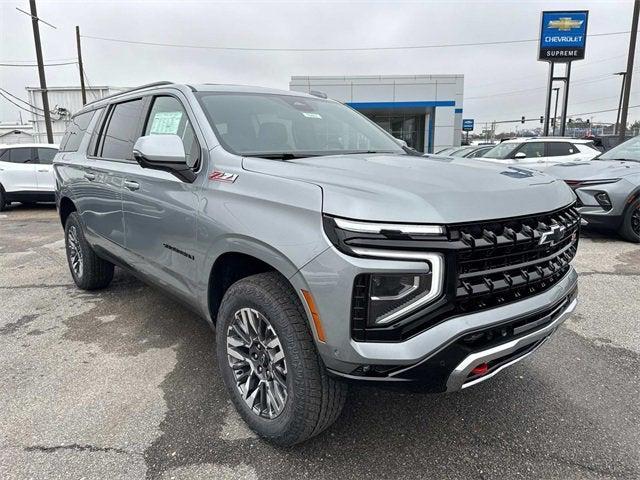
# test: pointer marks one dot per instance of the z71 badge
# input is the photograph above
(218, 176)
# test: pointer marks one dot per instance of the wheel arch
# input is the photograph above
(65, 208)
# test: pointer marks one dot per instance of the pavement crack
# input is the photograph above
(78, 448)
(38, 285)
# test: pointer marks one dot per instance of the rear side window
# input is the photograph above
(45, 155)
(21, 155)
(75, 132)
(121, 131)
(4, 155)
(559, 149)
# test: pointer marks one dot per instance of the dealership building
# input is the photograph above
(423, 110)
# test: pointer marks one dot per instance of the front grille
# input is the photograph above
(487, 264)
(503, 261)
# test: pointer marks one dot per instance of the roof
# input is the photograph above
(30, 145)
(547, 139)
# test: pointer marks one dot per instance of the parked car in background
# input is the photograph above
(606, 142)
(608, 188)
(26, 173)
(540, 153)
(320, 249)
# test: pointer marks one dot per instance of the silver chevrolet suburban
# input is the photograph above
(320, 249)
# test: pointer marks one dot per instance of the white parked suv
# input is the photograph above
(540, 153)
(26, 173)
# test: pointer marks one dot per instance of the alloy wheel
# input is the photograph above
(258, 364)
(75, 252)
(635, 221)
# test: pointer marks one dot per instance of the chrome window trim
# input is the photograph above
(436, 261)
(369, 227)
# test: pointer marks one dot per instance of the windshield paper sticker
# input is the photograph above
(166, 123)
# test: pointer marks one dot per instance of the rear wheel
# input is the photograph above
(269, 362)
(89, 271)
(630, 229)
(3, 199)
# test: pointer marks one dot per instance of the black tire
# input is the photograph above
(314, 399)
(94, 272)
(630, 228)
(3, 199)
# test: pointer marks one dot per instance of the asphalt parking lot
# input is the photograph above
(124, 384)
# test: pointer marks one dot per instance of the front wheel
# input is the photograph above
(630, 229)
(269, 362)
(89, 271)
(3, 199)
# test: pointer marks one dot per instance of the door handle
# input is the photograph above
(90, 176)
(131, 185)
(45, 170)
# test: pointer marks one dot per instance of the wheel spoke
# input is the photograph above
(257, 360)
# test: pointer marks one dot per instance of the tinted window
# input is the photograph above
(4, 155)
(168, 117)
(557, 149)
(75, 132)
(21, 155)
(532, 150)
(45, 155)
(121, 131)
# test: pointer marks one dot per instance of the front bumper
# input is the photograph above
(432, 356)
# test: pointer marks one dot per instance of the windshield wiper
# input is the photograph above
(619, 159)
(280, 155)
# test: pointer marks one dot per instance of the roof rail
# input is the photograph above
(141, 87)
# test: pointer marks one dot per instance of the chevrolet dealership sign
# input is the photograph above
(563, 36)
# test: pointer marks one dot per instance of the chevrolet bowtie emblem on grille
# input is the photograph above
(552, 236)
(565, 24)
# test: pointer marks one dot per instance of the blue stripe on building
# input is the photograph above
(373, 105)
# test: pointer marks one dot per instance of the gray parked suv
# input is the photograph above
(320, 249)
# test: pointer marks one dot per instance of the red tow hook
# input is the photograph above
(480, 369)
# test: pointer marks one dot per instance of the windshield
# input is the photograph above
(288, 126)
(502, 150)
(629, 150)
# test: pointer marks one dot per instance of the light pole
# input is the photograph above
(555, 112)
(623, 75)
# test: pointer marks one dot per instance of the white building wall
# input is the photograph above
(69, 98)
(441, 96)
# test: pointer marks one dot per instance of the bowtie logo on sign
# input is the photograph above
(565, 24)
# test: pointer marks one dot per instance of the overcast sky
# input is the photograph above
(490, 71)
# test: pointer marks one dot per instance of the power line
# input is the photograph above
(20, 100)
(20, 106)
(336, 49)
(571, 115)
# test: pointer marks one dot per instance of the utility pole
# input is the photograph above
(80, 67)
(555, 112)
(43, 80)
(617, 124)
(627, 78)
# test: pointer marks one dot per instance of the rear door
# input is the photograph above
(111, 153)
(18, 170)
(44, 169)
(159, 208)
(560, 152)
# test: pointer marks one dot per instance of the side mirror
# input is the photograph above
(520, 155)
(163, 152)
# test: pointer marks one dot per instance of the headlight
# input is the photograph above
(382, 298)
(390, 294)
(603, 199)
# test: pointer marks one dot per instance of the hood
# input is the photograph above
(403, 188)
(595, 170)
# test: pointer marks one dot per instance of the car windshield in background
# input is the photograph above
(501, 151)
(288, 126)
(629, 150)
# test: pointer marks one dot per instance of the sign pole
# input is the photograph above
(547, 107)
(565, 100)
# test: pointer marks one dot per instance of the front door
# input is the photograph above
(160, 209)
